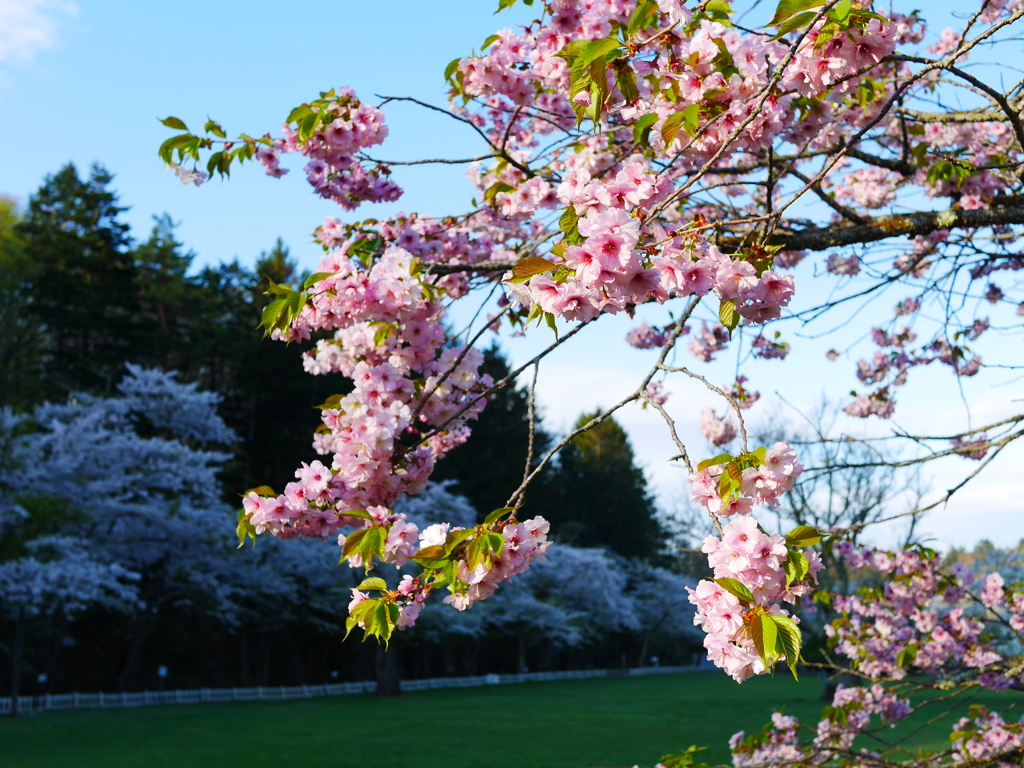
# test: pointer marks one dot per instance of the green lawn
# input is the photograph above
(618, 721)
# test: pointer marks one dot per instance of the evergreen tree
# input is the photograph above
(83, 290)
(489, 465)
(168, 298)
(21, 362)
(602, 497)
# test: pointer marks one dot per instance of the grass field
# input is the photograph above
(618, 721)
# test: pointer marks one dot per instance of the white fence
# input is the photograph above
(49, 701)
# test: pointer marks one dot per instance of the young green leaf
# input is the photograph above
(457, 537)
(245, 529)
(642, 129)
(722, 458)
(360, 612)
(796, 567)
(374, 582)
(474, 553)
(329, 404)
(670, 128)
(841, 10)
(789, 641)
(173, 122)
(261, 490)
(642, 17)
(728, 315)
(718, 10)
(799, 21)
(352, 542)
(764, 634)
(497, 514)
(530, 266)
(736, 588)
(315, 278)
(906, 657)
(625, 78)
(803, 536)
(212, 126)
(497, 543)
(691, 116)
(787, 8)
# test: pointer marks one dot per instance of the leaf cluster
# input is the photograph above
(187, 146)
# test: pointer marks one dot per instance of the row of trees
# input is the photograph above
(112, 540)
(159, 372)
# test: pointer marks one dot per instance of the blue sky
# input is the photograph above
(85, 81)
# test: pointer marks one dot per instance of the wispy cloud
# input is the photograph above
(30, 26)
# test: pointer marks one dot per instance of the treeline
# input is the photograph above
(81, 299)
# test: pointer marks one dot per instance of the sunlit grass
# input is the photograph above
(617, 721)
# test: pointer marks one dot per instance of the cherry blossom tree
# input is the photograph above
(650, 153)
(114, 502)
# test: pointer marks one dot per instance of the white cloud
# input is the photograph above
(30, 26)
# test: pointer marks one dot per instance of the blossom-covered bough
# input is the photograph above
(650, 153)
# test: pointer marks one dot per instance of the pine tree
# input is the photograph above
(602, 496)
(83, 289)
(168, 297)
(21, 361)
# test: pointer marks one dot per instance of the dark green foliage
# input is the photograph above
(168, 299)
(79, 303)
(489, 465)
(600, 496)
(21, 358)
(82, 285)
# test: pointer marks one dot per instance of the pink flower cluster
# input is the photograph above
(609, 273)
(745, 398)
(646, 337)
(656, 393)
(975, 449)
(985, 737)
(524, 543)
(708, 342)
(190, 176)
(715, 429)
(270, 159)
(868, 188)
(761, 485)
(410, 597)
(410, 402)
(874, 628)
(842, 265)
(893, 367)
(851, 714)
(875, 404)
(755, 560)
(334, 170)
(766, 349)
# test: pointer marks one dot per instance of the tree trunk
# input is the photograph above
(129, 677)
(643, 649)
(19, 647)
(389, 669)
(521, 659)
